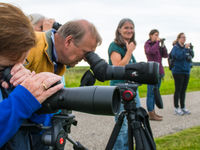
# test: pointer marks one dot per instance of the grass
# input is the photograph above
(73, 78)
(188, 139)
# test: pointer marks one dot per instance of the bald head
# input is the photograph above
(78, 29)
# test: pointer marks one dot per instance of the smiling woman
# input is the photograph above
(120, 54)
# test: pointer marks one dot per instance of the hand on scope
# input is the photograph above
(40, 85)
(19, 74)
(130, 47)
(48, 24)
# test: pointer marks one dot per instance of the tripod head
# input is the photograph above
(128, 90)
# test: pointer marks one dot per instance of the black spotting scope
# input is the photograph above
(101, 100)
(147, 73)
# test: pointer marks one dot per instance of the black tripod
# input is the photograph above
(56, 135)
(139, 129)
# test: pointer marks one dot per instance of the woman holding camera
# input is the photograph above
(182, 55)
(120, 54)
(16, 38)
(155, 50)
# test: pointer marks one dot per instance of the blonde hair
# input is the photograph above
(178, 37)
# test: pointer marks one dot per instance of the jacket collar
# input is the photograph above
(49, 42)
(180, 45)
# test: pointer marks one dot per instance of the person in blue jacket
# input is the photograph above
(182, 55)
(120, 54)
(16, 38)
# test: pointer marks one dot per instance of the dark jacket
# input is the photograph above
(155, 53)
(181, 58)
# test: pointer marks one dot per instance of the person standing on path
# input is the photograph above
(182, 55)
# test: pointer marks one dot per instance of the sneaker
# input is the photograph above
(179, 111)
(186, 111)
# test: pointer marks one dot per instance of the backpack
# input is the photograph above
(170, 61)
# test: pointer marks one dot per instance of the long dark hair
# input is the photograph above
(178, 37)
(118, 37)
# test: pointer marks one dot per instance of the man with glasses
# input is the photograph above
(57, 49)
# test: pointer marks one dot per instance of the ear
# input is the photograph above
(68, 40)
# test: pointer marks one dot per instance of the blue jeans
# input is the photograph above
(121, 142)
(150, 102)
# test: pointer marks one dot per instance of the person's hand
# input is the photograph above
(158, 39)
(130, 47)
(187, 45)
(48, 24)
(19, 74)
(40, 85)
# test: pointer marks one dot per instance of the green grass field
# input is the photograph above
(73, 77)
(188, 139)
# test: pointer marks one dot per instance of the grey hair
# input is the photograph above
(35, 18)
(77, 30)
(118, 37)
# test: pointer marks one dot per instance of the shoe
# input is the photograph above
(186, 111)
(179, 112)
(152, 116)
(158, 115)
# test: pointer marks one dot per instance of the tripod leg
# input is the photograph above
(130, 137)
(115, 132)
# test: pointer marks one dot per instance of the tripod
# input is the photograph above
(139, 129)
(56, 135)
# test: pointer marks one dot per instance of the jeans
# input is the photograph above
(181, 83)
(121, 142)
(150, 102)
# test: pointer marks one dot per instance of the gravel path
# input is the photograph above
(94, 131)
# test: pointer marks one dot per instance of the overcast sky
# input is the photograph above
(170, 17)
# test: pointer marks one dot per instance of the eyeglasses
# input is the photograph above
(183, 37)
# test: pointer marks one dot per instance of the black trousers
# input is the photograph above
(181, 83)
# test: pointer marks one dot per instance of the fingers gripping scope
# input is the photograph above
(147, 73)
(101, 100)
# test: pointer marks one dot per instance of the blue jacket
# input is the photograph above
(180, 58)
(19, 105)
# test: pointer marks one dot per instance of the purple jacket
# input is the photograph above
(155, 53)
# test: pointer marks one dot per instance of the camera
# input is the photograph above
(191, 46)
(190, 53)
(162, 40)
(56, 25)
(142, 72)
